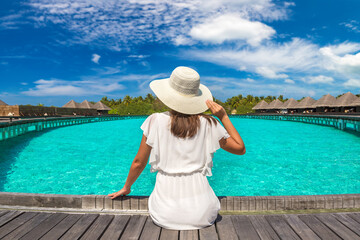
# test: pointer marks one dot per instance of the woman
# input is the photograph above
(182, 142)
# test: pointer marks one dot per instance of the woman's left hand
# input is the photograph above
(122, 192)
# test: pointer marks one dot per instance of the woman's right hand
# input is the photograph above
(216, 109)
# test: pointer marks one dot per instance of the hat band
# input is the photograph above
(185, 91)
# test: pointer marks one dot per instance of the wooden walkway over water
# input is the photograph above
(55, 225)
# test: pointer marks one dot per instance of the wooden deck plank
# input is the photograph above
(134, 227)
(57, 231)
(27, 226)
(151, 230)
(9, 216)
(355, 216)
(318, 227)
(116, 227)
(348, 221)
(98, 227)
(208, 233)
(168, 234)
(300, 227)
(225, 228)
(16, 222)
(281, 227)
(78, 229)
(340, 229)
(244, 228)
(189, 235)
(3, 213)
(263, 228)
(41, 229)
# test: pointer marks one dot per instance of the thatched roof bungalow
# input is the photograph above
(290, 104)
(86, 104)
(101, 108)
(325, 104)
(3, 103)
(71, 104)
(307, 104)
(275, 105)
(261, 106)
(345, 100)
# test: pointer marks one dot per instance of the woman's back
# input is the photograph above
(172, 154)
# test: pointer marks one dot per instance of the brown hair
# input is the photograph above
(185, 125)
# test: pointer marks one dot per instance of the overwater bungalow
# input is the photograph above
(275, 106)
(261, 107)
(3, 103)
(344, 103)
(325, 104)
(290, 105)
(86, 104)
(306, 105)
(71, 104)
(101, 108)
(356, 104)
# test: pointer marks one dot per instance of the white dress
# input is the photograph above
(182, 198)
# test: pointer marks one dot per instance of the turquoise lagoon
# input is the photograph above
(283, 158)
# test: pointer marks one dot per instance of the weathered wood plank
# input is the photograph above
(318, 227)
(150, 231)
(167, 234)
(340, 229)
(281, 227)
(78, 229)
(16, 222)
(348, 221)
(208, 233)
(189, 235)
(116, 227)
(98, 227)
(225, 228)
(263, 228)
(3, 213)
(244, 228)
(300, 227)
(26, 227)
(134, 227)
(44, 227)
(9, 216)
(355, 216)
(57, 231)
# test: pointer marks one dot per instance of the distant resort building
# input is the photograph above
(347, 103)
(71, 108)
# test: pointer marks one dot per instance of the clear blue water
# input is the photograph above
(283, 158)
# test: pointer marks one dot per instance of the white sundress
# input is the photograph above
(182, 198)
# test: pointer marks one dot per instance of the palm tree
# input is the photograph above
(127, 100)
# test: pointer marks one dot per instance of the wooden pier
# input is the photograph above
(340, 122)
(58, 225)
(19, 127)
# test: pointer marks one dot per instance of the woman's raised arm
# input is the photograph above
(234, 144)
(136, 168)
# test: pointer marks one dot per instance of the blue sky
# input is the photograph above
(56, 50)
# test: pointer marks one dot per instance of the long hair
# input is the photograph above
(185, 125)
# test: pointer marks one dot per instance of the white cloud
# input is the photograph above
(352, 83)
(342, 60)
(95, 58)
(231, 27)
(268, 59)
(268, 73)
(353, 25)
(57, 87)
(118, 25)
(318, 79)
(289, 81)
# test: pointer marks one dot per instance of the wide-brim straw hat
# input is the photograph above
(182, 92)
